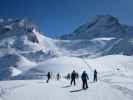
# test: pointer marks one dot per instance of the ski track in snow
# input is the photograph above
(112, 85)
(5, 91)
(121, 83)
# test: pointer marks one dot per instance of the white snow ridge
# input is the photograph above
(27, 55)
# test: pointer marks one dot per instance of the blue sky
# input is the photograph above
(56, 17)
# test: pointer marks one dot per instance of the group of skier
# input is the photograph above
(49, 76)
(73, 76)
(84, 78)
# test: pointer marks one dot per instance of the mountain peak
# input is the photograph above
(100, 26)
(100, 23)
(20, 34)
(16, 23)
(105, 19)
(16, 27)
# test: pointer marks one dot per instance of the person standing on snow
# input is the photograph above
(48, 77)
(58, 76)
(95, 76)
(73, 77)
(84, 78)
(68, 76)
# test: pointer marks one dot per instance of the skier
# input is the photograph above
(48, 77)
(68, 76)
(95, 76)
(84, 78)
(58, 76)
(73, 77)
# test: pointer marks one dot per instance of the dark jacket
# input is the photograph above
(84, 76)
(73, 75)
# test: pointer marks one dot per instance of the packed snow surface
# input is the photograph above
(63, 65)
(115, 80)
(107, 64)
(61, 90)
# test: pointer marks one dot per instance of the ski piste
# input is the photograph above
(39, 89)
(26, 55)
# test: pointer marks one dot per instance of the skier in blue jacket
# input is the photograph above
(84, 78)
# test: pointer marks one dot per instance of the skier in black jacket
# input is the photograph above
(84, 78)
(95, 76)
(58, 76)
(73, 77)
(48, 77)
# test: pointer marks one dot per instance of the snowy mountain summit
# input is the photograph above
(101, 26)
(104, 35)
(15, 33)
(21, 46)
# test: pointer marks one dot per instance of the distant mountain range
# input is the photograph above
(104, 35)
(23, 46)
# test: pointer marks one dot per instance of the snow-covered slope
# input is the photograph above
(23, 36)
(22, 46)
(115, 80)
(96, 47)
(60, 90)
(104, 35)
(112, 64)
